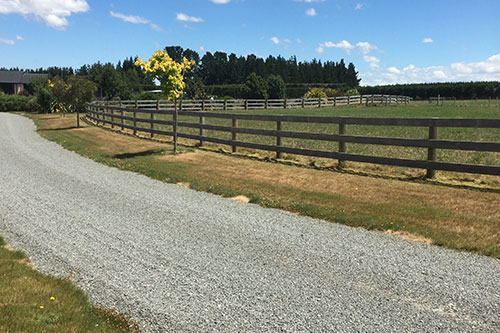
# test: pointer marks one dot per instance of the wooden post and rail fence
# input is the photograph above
(102, 113)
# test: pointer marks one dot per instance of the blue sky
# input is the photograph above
(389, 41)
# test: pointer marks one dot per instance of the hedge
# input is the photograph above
(17, 103)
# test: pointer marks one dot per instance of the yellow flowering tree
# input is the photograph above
(166, 70)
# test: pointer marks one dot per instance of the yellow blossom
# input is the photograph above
(166, 70)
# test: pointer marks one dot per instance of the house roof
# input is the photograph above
(19, 77)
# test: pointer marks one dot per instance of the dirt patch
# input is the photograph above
(241, 198)
(183, 184)
(409, 236)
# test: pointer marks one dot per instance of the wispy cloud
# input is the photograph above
(186, 18)
(19, 37)
(358, 6)
(311, 12)
(427, 40)
(135, 20)
(275, 40)
(7, 41)
(52, 12)
(221, 2)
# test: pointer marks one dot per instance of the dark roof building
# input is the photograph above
(13, 82)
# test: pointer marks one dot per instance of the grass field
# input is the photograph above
(453, 215)
(33, 302)
(459, 109)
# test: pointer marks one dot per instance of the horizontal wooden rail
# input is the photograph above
(106, 114)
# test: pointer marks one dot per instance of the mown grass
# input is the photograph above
(459, 109)
(454, 217)
(33, 302)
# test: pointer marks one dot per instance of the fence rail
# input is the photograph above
(145, 117)
(260, 104)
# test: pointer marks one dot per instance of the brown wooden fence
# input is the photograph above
(261, 104)
(143, 120)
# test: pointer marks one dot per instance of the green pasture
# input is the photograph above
(450, 109)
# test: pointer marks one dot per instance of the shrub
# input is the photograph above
(275, 87)
(315, 93)
(352, 92)
(17, 103)
(255, 87)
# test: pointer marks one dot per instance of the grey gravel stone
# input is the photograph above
(177, 260)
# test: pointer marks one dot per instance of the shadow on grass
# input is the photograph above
(59, 128)
(139, 153)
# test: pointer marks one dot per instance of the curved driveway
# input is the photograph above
(177, 260)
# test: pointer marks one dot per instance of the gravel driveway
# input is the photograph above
(177, 260)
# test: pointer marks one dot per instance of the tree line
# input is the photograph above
(126, 80)
(459, 90)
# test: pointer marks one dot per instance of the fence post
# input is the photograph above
(202, 105)
(335, 101)
(153, 117)
(284, 103)
(202, 132)
(225, 104)
(176, 113)
(342, 145)
(135, 117)
(431, 152)
(112, 118)
(121, 114)
(266, 103)
(234, 134)
(319, 102)
(348, 100)
(439, 96)
(278, 138)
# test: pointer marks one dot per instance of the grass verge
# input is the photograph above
(34, 302)
(450, 216)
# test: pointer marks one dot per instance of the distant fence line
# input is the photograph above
(261, 104)
(114, 116)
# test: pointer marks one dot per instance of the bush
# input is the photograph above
(18, 103)
(352, 92)
(315, 93)
(255, 87)
(275, 87)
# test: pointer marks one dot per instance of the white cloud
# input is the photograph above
(366, 47)
(358, 6)
(487, 70)
(221, 2)
(187, 18)
(340, 45)
(372, 61)
(363, 47)
(135, 20)
(311, 12)
(19, 37)
(155, 27)
(7, 41)
(130, 18)
(52, 12)
(275, 40)
(393, 70)
(202, 48)
(427, 40)
(298, 40)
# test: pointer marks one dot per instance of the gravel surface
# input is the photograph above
(177, 260)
